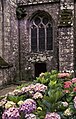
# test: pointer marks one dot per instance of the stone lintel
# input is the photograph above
(24, 3)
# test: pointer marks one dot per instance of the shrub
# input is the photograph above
(51, 95)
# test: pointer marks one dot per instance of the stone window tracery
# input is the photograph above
(41, 29)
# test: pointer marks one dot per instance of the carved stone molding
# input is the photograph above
(29, 2)
(20, 12)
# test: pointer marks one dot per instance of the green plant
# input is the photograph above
(24, 85)
(16, 99)
(56, 98)
(45, 78)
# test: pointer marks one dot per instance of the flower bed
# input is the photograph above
(51, 96)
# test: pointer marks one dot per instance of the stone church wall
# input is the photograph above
(0, 29)
(9, 39)
(75, 38)
(14, 38)
(66, 36)
(28, 59)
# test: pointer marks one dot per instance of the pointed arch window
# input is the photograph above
(41, 33)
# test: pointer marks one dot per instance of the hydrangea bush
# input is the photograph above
(11, 113)
(51, 96)
(28, 106)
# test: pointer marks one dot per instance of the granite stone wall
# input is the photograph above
(9, 39)
(28, 58)
(15, 37)
(0, 29)
(75, 38)
(66, 35)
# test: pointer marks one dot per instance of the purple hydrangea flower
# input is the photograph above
(28, 106)
(11, 113)
(52, 116)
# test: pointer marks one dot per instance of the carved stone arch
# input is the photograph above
(41, 12)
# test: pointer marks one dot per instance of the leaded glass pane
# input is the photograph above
(45, 20)
(49, 38)
(34, 39)
(41, 39)
(37, 20)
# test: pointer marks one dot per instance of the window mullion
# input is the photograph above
(37, 39)
(30, 40)
(45, 39)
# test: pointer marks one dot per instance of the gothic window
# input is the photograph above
(41, 33)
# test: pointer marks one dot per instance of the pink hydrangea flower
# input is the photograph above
(35, 88)
(74, 80)
(66, 91)
(74, 102)
(74, 89)
(75, 105)
(63, 75)
(11, 113)
(65, 104)
(67, 84)
(37, 95)
(52, 116)
(40, 87)
(30, 116)
(75, 99)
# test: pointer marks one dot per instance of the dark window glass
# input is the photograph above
(49, 38)
(34, 39)
(37, 20)
(45, 20)
(41, 39)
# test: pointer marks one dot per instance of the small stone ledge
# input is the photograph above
(34, 2)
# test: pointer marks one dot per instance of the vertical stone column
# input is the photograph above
(13, 39)
(6, 44)
(10, 29)
(66, 36)
(0, 29)
(10, 44)
(75, 37)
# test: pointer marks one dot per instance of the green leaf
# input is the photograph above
(15, 99)
(52, 83)
(69, 99)
(74, 84)
(58, 95)
(54, 72)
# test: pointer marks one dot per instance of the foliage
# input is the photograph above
(23, 85)
(46, 77)
(52, 94)
(16, 99)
